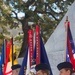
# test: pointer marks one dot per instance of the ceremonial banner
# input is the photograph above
(30, 45)
(41, 55)
(8, 45)
(35, 54)
(70, 48)
(37, 39)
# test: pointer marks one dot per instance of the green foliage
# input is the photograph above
(1, 40)
(18, 38)
(49, 12)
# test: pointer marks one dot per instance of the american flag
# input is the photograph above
(70, 48)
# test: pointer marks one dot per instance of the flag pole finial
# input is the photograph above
(38, 22)
(66, 18)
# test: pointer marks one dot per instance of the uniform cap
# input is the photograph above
(15, 66)
(42, 66)
(64, 65)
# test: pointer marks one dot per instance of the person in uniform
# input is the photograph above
(15, 69)
(65, 68)
(42, 69)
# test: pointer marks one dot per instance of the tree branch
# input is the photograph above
(16, 16)
(28, 3)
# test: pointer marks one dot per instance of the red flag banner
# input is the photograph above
(67, 23)
(30, 45)
(8, 45)
(37, 38)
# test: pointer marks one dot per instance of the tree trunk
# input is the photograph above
(25, 38)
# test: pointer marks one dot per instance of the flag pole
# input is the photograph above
(4, 55)
(4, 51)
(66, 31)
(12, 53)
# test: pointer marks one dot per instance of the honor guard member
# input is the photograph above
(15, 69)
(42, 69)
(65, 68)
